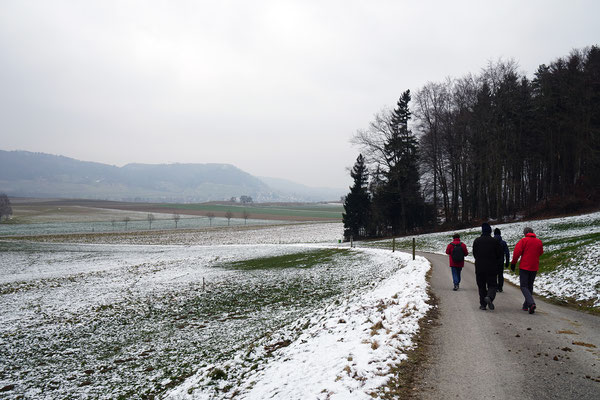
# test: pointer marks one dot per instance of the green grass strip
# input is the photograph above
(297, 260)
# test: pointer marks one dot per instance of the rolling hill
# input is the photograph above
(27, 174)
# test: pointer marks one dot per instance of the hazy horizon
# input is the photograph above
(275, 88)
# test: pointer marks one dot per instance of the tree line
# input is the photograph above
(486, 146)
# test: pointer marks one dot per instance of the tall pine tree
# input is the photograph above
(358, 202)
(404, 207)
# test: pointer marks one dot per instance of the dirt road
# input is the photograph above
(507, 353)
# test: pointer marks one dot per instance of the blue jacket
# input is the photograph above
(505, 248)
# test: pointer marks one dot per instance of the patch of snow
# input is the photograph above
(348, 350)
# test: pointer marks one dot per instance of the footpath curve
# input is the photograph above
(507, 353)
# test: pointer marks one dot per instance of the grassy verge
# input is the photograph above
(409, 373)
(564, 250)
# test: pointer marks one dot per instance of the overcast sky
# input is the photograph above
(276, 88)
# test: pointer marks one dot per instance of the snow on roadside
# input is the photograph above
(346, 352)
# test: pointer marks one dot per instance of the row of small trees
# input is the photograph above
(6, 211)
(487, 146)
(176, 217)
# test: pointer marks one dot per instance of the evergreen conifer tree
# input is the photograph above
(404, 205)
(358, 203)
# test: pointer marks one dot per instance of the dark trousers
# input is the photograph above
(487, 283)
(526, 279)
(501, 277)
(456, 274)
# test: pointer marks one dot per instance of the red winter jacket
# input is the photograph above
(449, 252)
(530, 249)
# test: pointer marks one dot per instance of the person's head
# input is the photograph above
(456, 236)
(497, 232)
(527, 230)
(486, 229)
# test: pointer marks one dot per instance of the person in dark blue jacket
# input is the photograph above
(504, 261)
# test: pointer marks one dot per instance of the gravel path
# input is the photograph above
(507, 353)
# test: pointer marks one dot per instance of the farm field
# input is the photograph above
(48, 210)
(55, 217)
(261, 311)
(287, 211)
(227, 310)
(569, 267)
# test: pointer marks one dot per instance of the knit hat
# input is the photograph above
(486, 229)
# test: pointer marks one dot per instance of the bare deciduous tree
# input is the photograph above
(150, 220)
(210, 216)
(5, 207)
(176, 218)
(228, 215)
(126, 220)
(372, 140)
(245, 215)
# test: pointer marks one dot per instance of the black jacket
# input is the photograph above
(505, 249)
(487, 251)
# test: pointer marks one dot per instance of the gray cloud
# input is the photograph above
(276, 88)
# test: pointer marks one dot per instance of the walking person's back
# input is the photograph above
(487, 251)
(529, 249)
(456, 251)
(501, 262)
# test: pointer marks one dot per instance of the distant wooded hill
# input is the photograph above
(27, 174)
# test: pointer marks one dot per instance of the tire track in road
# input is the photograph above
(507, 353)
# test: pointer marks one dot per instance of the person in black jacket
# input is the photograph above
(504, 261)
(487, 251)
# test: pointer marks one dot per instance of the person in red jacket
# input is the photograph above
(529, 249)
(457, 260)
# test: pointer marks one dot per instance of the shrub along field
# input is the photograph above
(569, 267)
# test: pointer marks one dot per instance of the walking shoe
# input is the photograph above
(532, 308)
(482, 307)
(455, 288)
(525, 308)
(489, 302)
(499, 290)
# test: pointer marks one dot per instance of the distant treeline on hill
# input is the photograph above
(486, 146)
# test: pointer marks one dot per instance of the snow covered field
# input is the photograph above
(571, 259)
(279, 311)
